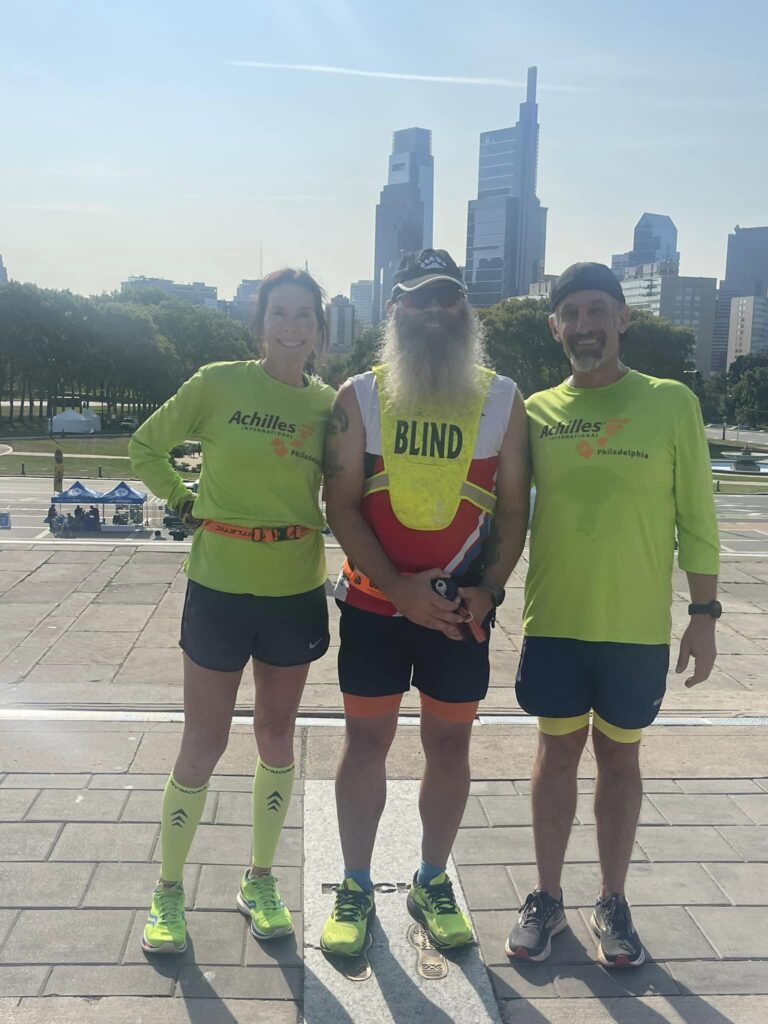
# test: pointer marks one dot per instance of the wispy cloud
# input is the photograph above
(503, 83)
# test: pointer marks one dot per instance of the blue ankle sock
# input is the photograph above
(427, 872)
(362, 876)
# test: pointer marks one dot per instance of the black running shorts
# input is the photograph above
(223, 631)
(381, 655)
(623, 683)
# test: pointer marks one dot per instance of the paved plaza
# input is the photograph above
(90, 687)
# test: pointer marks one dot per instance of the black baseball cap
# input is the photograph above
(586, 277)
(418, 269)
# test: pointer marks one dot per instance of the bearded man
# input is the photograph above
(427, 480)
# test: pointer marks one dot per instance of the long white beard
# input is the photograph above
(428, 371)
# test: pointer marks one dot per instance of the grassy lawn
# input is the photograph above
(89, 444)
(74, 468)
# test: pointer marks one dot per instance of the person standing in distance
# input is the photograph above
(426, 478)
(621, 467)
(256, 589)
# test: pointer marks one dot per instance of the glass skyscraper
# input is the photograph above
(654, 241)
(404, 211)
(506, 224)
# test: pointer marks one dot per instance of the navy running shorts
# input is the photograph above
(382, 655)
(223, 631)
(622, 683)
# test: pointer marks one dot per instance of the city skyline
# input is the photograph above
(179, 164)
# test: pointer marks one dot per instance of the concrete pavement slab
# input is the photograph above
(64, 885)
(132, 593)
(21, 981)
(285, 952)
(395, 992)
(98, 981)
(130, 885)
(710, 809)
(90, 648)
(213, 937)
(77, 805)
(642, 1010)
(750, 842)
(647, 884)
(146, 805)
(488, 887)
(140, 1010)
(690, 843)
(231, 844)
(24, 616)
(14, 804)
(592, 982)
(219, 885)
(734, 931)
(104, 841)
(161, 665)
(128, 618)
(668, 933)
(29, 749)
(739, 978)
(743, 884)
(158, 753)
(573, 946)
(66, 936)
(231, 983)
(23, 841)
(731, 786)
(754, 806)
(237, 809)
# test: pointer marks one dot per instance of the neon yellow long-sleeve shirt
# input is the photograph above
(619, 471)
(262, 465)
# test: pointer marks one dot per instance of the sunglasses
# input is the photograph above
(443, 293)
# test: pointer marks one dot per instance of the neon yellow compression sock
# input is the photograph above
(182, 809)
(272, 788)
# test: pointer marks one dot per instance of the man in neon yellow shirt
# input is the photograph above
(621, 465)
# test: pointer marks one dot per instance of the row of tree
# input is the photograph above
(129, 355)
(132, 352)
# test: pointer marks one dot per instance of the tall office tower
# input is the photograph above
(686, 301)
(506, 224)
(340, 316)
(361, 297)
(243, 304)
(748, 327)
(746, 268)
(404, 211)
(655, 241)
(3, 272)
(746, 273)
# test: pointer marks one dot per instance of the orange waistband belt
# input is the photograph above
(265, 534)
(364, 583)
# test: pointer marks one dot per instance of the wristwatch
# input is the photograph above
(712, 608)
(497, 593)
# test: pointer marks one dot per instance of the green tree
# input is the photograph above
(657, 347)
(750, 397)
(741, 365)
(361, 357)
(520, 344)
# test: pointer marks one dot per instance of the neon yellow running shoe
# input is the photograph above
(166, 927)
(345, 930)
(260, 901)
(435, 907)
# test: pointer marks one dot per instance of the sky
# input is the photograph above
(150, 138)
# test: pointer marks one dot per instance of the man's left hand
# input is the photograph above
(477, 601)
(698, 642)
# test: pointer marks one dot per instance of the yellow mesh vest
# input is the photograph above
(427, 456)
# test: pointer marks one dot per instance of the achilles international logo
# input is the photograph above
(284, 446)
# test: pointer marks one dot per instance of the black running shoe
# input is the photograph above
(618, 943)
(540, 918)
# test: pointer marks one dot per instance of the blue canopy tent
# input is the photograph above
(76, 494)
(123, 494)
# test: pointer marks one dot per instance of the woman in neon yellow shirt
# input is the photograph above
(256, 585)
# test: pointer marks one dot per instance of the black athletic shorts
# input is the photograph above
(381, 655)
(623, 683)
(223, 631)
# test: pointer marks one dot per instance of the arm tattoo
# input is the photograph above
(339, 422)
(331, 465)
(492, 547)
